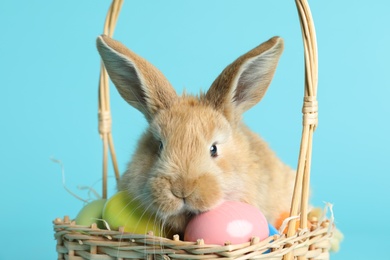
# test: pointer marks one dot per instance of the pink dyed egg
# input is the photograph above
(232, 222)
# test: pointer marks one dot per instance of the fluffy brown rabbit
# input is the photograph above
(196, 151)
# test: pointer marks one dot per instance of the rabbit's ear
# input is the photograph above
(243, 83)
(140, 83)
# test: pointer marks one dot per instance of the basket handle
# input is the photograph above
(300, 198)
(299, 203)
(104, 114)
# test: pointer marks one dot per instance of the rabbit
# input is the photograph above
(196, 151)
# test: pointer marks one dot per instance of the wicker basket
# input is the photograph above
(77, 242)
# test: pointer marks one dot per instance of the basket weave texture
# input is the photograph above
(78, 242)
(75, 242)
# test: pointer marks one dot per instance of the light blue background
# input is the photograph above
(49, 71)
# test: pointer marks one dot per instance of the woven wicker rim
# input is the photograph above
(94, 243)
(312, 244)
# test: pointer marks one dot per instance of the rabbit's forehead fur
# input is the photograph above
(190, 123)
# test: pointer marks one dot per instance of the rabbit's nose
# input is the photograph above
(182, 189)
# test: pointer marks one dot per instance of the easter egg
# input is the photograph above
(91, 213)
(272, 230)
(121, 210)
(231, 222)
(279, 222)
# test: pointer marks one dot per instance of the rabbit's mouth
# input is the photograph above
(185, 196)
(181, 212)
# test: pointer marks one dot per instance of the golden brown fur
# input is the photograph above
(173, 172)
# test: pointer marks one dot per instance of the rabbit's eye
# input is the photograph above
(213, 151)
(160, 146)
